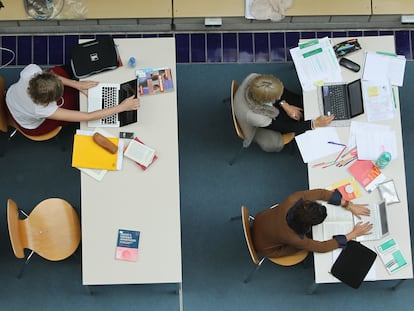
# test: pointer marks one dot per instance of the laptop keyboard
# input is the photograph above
(109, 99)
(337, 100)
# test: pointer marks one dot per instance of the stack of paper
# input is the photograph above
(315, 144)
(316, 63)
(384, 66)
(378, 99)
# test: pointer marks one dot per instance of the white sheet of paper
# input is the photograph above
(370, 144)
(384, 66)
(357, 126)
(314, 144)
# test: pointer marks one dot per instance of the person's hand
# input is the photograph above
(323, 121)
(358, 209)
(359, 229)
(292, 111)
(83, 86)
(130, 103)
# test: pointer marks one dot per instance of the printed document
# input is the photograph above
(384, 66)
(316, 63)
(378, 99)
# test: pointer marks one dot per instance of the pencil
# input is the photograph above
(348, 152)
(329, 164)
(340, 153)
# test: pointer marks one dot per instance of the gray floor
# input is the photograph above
(215, 258)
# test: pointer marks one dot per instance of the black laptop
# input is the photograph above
(344, 100)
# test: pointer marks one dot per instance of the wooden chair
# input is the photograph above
(7, 121)
(51, 230)
(286, 138)
(282, 261)
(239, 131)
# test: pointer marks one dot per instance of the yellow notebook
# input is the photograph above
(88, 154)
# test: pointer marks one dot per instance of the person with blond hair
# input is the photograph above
(263, 102)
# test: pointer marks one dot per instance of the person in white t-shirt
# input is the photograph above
(43, 100)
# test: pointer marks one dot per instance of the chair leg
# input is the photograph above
(12, 134)
(3, 144)
(397, 285)
(312, 288)
(24, 265)
(235, 218)
(88, 289)
(250, 276)
(236, 156)
(59, 141)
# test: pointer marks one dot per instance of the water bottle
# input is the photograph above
(132, 62)
(383, 160)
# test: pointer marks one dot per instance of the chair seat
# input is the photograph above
(290, 260)
(55, 228)
(42, 137)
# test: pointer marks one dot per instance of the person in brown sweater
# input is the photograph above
(284, 229)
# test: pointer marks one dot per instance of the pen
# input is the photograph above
(393, 97)
(334, 143)
(349, 152)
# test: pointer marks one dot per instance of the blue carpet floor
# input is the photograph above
(215, 257)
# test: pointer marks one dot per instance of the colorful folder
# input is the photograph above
(88, 154)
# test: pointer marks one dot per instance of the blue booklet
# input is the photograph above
(127, 245)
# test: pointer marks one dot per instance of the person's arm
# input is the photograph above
(68, 115)
(81, 86)
(314, 195)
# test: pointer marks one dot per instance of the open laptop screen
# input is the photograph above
(355, 98)
(383, 216)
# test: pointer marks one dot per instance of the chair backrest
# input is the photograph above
(3, 114)
(239, 131)
(16, 231)
(248, 235)
(52, 230)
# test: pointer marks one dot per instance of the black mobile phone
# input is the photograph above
(127, 135)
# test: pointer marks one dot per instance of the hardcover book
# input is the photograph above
(140, 153)
(367, 174)
(127, 245)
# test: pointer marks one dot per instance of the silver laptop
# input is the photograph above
(106, 95)
(378, 218)
(344, 100)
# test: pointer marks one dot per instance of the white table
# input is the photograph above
(147, 201)
(322, 178)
